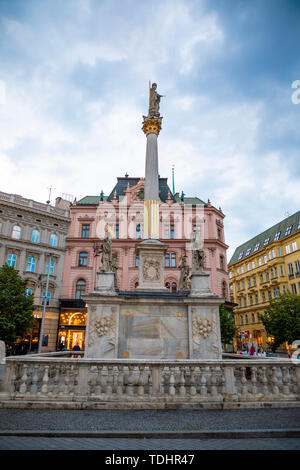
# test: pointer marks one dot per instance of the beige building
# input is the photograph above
(262, 269)
(32, 240)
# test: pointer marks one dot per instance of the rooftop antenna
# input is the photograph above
(173, 179)
(50, 189)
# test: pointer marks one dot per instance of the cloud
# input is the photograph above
(75, 89)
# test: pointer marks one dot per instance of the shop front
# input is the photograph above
(71, 332)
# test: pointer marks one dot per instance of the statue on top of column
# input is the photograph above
(106, 250)
(154, 101)
(198, 256)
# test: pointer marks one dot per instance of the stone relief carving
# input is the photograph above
(103, 327)
(151, 269)
(201, 327)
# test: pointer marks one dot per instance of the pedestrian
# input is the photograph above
(252, 350)
(76, 347)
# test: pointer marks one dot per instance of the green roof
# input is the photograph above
(279, 231)
(89, 201)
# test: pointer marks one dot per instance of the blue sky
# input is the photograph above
(74, 86)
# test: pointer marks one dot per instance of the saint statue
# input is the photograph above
(107, 258)
(198, 256)
(184, 274)
(154, 100)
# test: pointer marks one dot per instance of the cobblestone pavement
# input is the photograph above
(149, 420)
(52, 443)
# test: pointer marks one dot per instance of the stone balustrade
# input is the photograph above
(72, 382)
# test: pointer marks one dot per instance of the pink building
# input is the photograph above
(123, 211)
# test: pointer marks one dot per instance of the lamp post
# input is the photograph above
(44, 307)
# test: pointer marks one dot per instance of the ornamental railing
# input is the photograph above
(78, 382)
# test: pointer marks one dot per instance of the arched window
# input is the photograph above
(173, 287)
(167, 260)
(80, 288)
(16, 232)
(224, 290)
(222, 262)
(35, 237)
(246, 318)
(138, 231)
(136, 284)
(53, 240)
(167, 284)
(173, 260)
(83, 256)
(242, 320)
(137, 261)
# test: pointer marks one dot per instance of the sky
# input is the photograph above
(74, 78)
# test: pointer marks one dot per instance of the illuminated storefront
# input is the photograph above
(71, 331)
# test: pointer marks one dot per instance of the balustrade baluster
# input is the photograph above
(203, 382)
(213, 383)
(285, 380)
(98, 389)
(141, 381)
(275, 389)
(182, 382)
(244, 391)
(172, 390)
(110, 378)
(24, 378)
(193, 390)
(34, 386)
(45, 380)
(264, 382)
(129, 388)
(120, 380)
(254, 381)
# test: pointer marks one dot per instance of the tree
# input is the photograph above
(282, 319)
(228, 330)
(16, 307)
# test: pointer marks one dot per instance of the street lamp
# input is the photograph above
(44, 307)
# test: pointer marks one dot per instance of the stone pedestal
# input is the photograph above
(200, 284)
(151, 255)
(106, 283)
(141, 325)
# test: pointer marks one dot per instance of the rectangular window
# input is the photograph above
(136, 261)
(249, 282)
(242, 269)
(294, 288)
(288, 230)
(253, 264)
(265, 259)
(259, 261)
(276, 292)
(11, 259)
(297, 268)
(48, 297)
(270, 295)
(85, 231)
(256, 298)
(281, 271)
(31, 264)
(278, 251)
(254, 281)
(117, 231)
(294, 246)
(51, 267)
(291, 270)
(287, 249)
(248, 266)
(263, 296)
(230, 274)
(172, 231)
(237, 271)
(277, 236)
(251, 300)
(167, 231)
(284, 290)
(267, 276)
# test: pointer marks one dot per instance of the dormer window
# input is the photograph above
(288, 230)
(266, 241)
(256, 247)
(277, 236)
(241, 255)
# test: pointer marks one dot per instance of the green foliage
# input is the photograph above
(228, 330)
(16, 308)
(282, 320)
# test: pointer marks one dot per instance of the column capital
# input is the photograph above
(151, 124)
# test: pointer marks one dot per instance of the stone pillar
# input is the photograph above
(151, 127)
